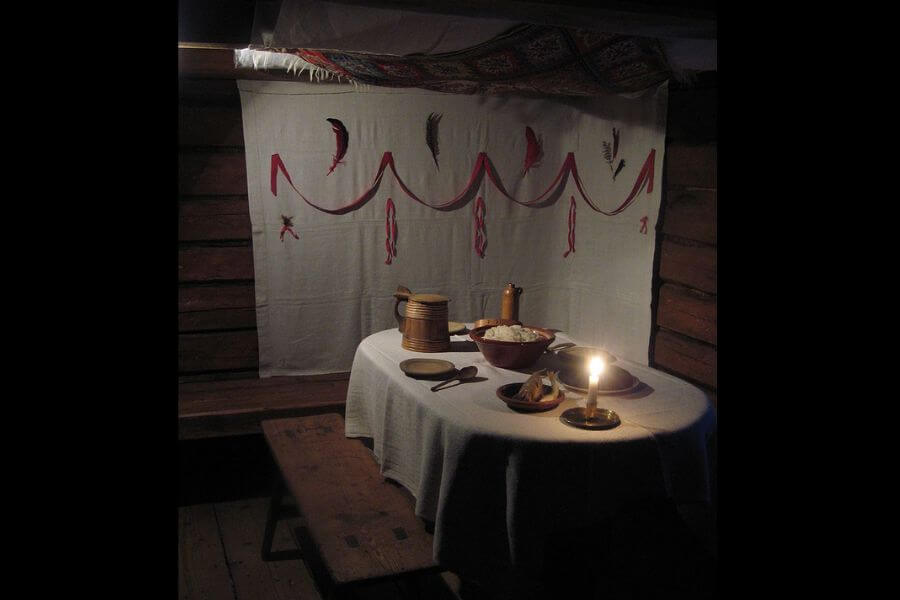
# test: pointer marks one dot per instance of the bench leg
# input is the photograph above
(275, 512)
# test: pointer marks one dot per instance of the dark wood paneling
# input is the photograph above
(215, 264)
(218, 351)
(212, 174)
(692, 214)
(686, 357)
(688, 264)
(210, 125)
(689, 165)
(688, 311)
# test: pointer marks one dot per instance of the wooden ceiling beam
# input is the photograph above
(216, 61)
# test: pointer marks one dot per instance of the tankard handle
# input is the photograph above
(402, 295)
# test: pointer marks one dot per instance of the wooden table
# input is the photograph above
(496, 482)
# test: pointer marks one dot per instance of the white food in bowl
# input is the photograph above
(511, 333)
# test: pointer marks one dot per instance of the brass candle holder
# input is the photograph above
(589, 416)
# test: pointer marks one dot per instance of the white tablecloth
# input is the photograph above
(493, 480)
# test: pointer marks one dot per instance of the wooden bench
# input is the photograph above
(236, 407)
(360, 527)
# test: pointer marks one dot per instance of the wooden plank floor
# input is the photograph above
(219, 559)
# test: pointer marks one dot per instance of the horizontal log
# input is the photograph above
(210, 126)
(688, 311)
(205, 218)
(685, 357)
(216, 297)
(229, 318)
(215, 264)
(692, 265)
(218, 376)
(691, 214)
(204, 206)
(219, 351)
(212, 173)
(216, 408)
(214, 227)
(690, 165)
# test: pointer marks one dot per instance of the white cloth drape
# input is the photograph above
(319, 295)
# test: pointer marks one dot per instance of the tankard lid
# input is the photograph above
(429, 298)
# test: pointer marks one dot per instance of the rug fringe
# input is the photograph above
(264, 60)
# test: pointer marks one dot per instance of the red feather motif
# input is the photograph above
(342, 139)
(534, 151)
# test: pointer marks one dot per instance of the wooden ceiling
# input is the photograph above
(231, 21)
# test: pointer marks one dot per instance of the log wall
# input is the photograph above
(216, 304)
(685, 333)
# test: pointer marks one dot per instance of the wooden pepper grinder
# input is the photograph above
(509, 306)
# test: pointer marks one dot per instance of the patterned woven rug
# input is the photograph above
(529, 59)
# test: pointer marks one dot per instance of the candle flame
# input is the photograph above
(596, 366)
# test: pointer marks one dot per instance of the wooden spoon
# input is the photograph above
(464, 373)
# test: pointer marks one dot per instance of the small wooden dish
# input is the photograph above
(427, 368)
(506, 393)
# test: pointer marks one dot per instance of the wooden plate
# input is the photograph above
(506, 393)
(456, 327)
(427, 368)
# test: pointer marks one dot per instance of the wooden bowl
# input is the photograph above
(506, 393)
(512, 355)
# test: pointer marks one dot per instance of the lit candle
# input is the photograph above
(596, 367)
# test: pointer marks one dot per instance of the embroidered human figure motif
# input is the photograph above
(644, 224)
(286, 225)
